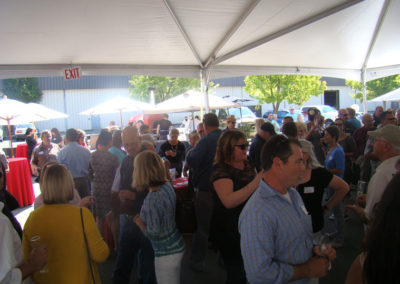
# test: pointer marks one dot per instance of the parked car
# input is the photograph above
(327, 112)
(243, 115)
(281, 115)
(20, 130)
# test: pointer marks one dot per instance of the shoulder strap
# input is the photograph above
(87, 247)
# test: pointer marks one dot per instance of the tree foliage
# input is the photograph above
(164, 87)
(376, 87)
(295, 89)
(22, 89)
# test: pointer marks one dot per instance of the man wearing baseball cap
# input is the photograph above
(265, 132)
(387, 148)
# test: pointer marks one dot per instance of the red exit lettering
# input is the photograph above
(72, 73)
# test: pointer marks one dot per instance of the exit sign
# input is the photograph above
(72, 73)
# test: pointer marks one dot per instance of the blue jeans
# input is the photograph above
(131, 242)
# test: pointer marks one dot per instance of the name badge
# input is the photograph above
(309, 189)
(304, 209)
(41, 153)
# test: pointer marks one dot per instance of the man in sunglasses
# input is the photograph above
(201, 159)
(276, 232)
(348, 127)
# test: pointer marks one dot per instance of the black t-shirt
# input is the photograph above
(225, 221)
(312, 192)
(126, 171)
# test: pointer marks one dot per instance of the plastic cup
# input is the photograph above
(172, 173)
(35, 243)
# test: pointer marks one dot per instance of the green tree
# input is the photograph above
(375, 88)
(164, 87)
(295, 89)
(22, 89)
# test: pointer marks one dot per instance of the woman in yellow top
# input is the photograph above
(59, 226)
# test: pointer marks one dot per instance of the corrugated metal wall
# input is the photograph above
(76, 101)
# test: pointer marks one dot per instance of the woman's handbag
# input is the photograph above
(87, 247)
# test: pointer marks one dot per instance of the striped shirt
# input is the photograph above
(275, 235)
(158, 212)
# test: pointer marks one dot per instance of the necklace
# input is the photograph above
(174, 148)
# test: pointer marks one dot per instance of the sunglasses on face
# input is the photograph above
(391, 119)
(339, 124)
(243, 146)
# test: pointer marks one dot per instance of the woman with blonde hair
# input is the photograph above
(157, 216)
(70, 233)
(234, 180)
(174, 151)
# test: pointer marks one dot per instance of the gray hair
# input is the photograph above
(307, 147)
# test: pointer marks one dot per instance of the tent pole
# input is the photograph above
(364, 90)
(204, 77)
(9, 135)
(120, 118)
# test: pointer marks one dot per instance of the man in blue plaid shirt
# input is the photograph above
(275, 227)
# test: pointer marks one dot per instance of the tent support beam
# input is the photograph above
(377, 30)
(183, 32)
(286, 30)
(364, 90)
(205, 78)
(231, 31)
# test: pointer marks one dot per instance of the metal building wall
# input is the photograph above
(76, 101)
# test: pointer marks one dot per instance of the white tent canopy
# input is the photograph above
(337, 38)
(352, 39)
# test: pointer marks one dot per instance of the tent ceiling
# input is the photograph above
(179, 37)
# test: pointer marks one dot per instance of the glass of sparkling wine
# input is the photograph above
(35, 243)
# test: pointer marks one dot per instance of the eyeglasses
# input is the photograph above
(233, 122)
(243, 146)
(343, 114)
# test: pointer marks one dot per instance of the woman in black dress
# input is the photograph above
(234, 180)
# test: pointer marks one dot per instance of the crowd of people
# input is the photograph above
(261, 205)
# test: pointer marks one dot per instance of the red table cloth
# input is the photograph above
(19, 182)
(22, 151)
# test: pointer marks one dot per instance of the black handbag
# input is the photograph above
(87, 247)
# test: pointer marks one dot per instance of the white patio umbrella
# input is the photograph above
(45, 113)
(391, 96)
(388, 97)
(15, 112)
(192, 101)
(118, 104)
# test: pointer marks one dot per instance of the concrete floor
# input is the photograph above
(214, 272)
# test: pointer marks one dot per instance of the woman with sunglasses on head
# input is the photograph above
(350, 151)
(234, 180)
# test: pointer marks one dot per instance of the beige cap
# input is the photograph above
(231, 118)
(390, 132)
